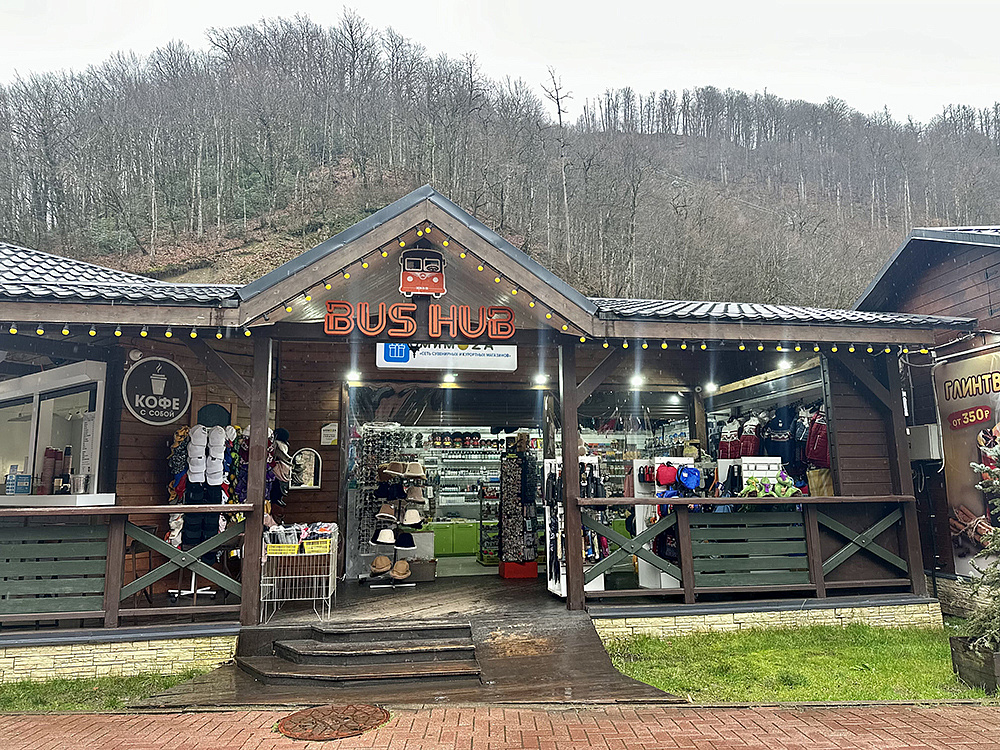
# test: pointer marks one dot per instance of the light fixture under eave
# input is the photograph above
(169, 332)
(815, 347)
(65, 330)
(624, 343)
(636, 380)
(645, 344)
(12, 329)
(327, 285)
(288, 307)
(40, 330)
(583, 339)
(218, 333)
(834, 349)
(354, 375)
(144, 332)
(888, 349)
(798, 347)
(246, 332)
(309, 298)
(92, 331)
(924, 350)
(703, 346)
(760, 346)
(784, 364)
(870, 349)
(541, 378)
(449, 377)
(711, 387)
(851, 348)
(663, 344)
(743, 346)
(605, 344)
(684, 345)
(194, 333)
(118, 332)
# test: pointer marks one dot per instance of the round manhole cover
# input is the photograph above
(332, 722)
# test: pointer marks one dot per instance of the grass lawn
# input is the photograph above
(822, 663)
(93, 694)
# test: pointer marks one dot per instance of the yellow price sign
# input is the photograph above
(317, 546)
(282, 550)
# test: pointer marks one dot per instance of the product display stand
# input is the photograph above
(518, 513)
(555, 527)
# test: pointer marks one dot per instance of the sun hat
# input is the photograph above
(405, 541)
(386, 513)
(666, 474)
(395, 468)
(412, 518)
(382, 475)
(689, 476)
(401, 570)
(414, 471)
(385, 536)
(380, 565)
(414, 494)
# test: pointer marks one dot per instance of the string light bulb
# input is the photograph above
(833, 348)
(402, 243)
(924, 350)
(703, 346)
(496, 279)
(194, 333)
(815, 347)
(144, 332)
(309, 298)
(364, 264)
(871, 348)
(118, 332)
(218, 333)
(684, 345)
(624, 343)
(288, 307)
(92, 331)
(40, 330)
(605, 344)
(565, 327)
(548, 316)
(513, 291)
(888, 349)
(798, 347)
(906, 349)
(743, 346)
(645, 344)
(531, 304)
(583, 339)
(480, 267)
(760, 347)
(246, 332)
(663, 344)
(327, 285)
(347, 274)
(65, 329)
(12, 329)
(779, 348)
(385, 253)
(851, 349)
(169, 332)
(447, 242)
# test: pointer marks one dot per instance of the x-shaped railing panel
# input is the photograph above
(862, 540)
(628, 547)
(177, 559)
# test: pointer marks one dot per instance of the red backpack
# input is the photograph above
(818, 441)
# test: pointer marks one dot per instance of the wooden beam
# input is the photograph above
(831, 424)
(17, 369)
(57, 348)
(814, 551)
(111, 428)
(253, 537)
(864, 376)
(760, 331)
(686, 552)
(114, 570)
(571, 476)
(221, 369)
(599, 374)
(74, 313)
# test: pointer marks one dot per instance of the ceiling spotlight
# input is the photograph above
(449, 377)
(92, 331)
(65, 329)
(144, 332)
(40, 330)
(784, 364)
(541, 378)
(354, 375)
(636, 380)
(711, 387)
(118, 332)
(218, 333)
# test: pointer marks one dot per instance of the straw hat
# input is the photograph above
(414, 470)
(380, 565)
(401, 570)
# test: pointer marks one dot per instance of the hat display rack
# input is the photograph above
(399, 488)
(518, 511)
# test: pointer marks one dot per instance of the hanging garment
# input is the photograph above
(729, 441)
(750, 437)
(818, 442)
(779, 440)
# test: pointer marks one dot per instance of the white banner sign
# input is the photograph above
(479, 357)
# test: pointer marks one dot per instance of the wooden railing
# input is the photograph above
(69, 563)
(811, 545)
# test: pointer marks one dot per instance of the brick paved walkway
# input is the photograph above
(485, 728)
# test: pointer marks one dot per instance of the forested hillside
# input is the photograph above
(236, 156)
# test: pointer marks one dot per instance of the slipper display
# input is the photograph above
(381, 565)
(400, 571)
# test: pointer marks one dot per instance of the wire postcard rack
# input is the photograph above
(297, 571)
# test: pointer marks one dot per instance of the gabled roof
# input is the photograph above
(919, 241)
(27, 273)
(394, 210)
(752, 312)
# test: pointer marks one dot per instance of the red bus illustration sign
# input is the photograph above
(421, 272)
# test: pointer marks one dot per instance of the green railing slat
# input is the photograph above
(30, 568)
(22, 534)
(60, 550)
(705, 549)
(51, 604)
(736, 564)
(52, 586)
(750, 579)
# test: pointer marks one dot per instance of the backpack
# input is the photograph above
(818, 442)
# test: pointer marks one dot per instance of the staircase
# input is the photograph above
(360, 654)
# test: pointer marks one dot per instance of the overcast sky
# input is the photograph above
(914, 56)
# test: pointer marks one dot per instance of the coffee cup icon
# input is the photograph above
(158, 383)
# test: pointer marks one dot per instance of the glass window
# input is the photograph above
(15, 433)
(432, 265)
(414, 264)
(66, 418)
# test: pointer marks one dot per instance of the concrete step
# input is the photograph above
(403, 630)
(385, 652)
(274, 670)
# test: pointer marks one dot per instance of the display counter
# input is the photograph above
(58, 501)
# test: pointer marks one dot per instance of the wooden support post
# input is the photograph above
(571, 476)
(253, 536)
(114, 570)
(221, 369)
(686, 553)
(344, 445)
(814, 552)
